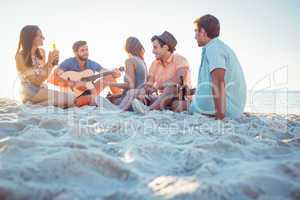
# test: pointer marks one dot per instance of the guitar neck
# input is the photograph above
(100, 75)
(96, 76)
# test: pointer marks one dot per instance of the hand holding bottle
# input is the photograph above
(55, 54)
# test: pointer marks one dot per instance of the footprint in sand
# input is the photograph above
(52, 124)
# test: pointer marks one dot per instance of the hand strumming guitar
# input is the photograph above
(79, 85)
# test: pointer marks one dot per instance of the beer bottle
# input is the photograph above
(53, 47)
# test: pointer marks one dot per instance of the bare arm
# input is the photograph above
(130, 75)
(34, 75)
(48, 65)
(116, 72)
(182, 71)
(58, 80)
(218, 90)
(149, 85)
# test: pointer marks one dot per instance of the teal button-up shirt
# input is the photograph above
(217, 54)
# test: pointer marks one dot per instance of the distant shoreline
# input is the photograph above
(9, 102)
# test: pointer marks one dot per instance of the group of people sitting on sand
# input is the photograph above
(220, 90)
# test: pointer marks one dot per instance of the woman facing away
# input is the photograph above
(33, 70)
(135, 75)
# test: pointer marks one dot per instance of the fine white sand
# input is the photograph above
(93, 153)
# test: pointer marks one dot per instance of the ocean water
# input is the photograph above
(274, 101)
(95, 153)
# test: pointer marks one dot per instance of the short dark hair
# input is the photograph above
(162, 43)
(78, 44)
(210, 24)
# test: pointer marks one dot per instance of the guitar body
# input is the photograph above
(77, 76)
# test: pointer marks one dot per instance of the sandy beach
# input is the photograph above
(96, 153)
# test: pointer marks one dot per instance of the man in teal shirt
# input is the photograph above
(221, 87)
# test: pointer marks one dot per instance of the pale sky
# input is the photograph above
(263, 33)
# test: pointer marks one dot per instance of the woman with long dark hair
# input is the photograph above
(33, 69)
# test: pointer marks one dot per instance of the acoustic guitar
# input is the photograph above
(87, 76)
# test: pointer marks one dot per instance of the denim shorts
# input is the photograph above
(29, 90)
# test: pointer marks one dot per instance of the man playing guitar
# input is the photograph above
(81, 64)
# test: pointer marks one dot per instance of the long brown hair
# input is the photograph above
(27, 36)
(134, 47)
